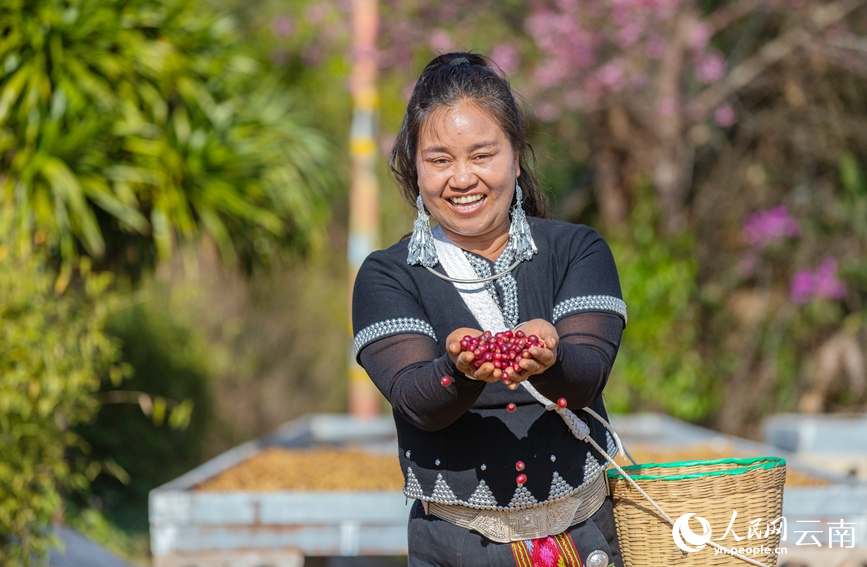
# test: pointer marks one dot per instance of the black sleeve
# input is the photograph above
(588, 346)
(402, 368)
(589, 315)
(397, 346)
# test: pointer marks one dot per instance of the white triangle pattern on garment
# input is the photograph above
(413, 487)
(442, 493)
(592, 468)
(559, 487)
(523, 498)
(482, 496)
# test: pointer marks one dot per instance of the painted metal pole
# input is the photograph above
(364, 399)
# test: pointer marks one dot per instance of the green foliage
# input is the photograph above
(659, 366)
(53, 349)
(169, 362)
(130, 124)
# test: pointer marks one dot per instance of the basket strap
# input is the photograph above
(581, 431)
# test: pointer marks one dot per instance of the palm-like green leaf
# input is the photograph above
(152, 114)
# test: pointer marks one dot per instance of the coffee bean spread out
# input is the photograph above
(310, 470)
(504, 350)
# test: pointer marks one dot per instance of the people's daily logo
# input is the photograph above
(683, 535)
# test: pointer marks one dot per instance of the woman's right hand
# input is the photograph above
(464, 359)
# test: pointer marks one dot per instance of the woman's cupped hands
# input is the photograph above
(540, 358)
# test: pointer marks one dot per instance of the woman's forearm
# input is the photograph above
(402, 370)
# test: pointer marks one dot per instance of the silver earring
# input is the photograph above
(421, 244)
(520, 238)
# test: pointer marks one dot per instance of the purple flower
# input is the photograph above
(764, 227)
(825, 280)
(822, 283)
(801, 287)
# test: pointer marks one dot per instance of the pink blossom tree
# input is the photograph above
(652, 77)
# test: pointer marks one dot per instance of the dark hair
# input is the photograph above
(451, 79)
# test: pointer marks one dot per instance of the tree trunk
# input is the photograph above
(609, 184)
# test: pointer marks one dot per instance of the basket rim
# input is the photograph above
(745, 465)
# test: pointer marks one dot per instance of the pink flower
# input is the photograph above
(655, 47)
(764, 227)
(699, 36)
(440, 41)
(549, 74)
(822, 283)
(506, 57)
(710, 68)
(725, 116)
(547, 112)
(282, 26)
(629, 35)
(611, 75)
(667, 107)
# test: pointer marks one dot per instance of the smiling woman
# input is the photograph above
(499, 477)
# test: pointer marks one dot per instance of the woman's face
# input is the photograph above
(466, 174)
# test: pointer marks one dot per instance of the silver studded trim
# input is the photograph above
(391, 327)
(610, 445)
(522, 499)
(412, 488)
(592, 468)
(559, 488)
(590, 303)
(442, 493)
(483, 499)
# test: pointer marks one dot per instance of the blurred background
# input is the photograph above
(175, 189)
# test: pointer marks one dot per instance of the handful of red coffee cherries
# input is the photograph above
(504, 350)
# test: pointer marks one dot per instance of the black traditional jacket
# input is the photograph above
(458, 443)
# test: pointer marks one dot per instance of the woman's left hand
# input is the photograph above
(541, 358)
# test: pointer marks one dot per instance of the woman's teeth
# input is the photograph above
(466, 200)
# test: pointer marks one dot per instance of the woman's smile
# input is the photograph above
(468, 203)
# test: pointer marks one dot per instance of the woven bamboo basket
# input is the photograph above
(709, 489)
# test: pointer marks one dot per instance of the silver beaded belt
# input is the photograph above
(542, 520)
